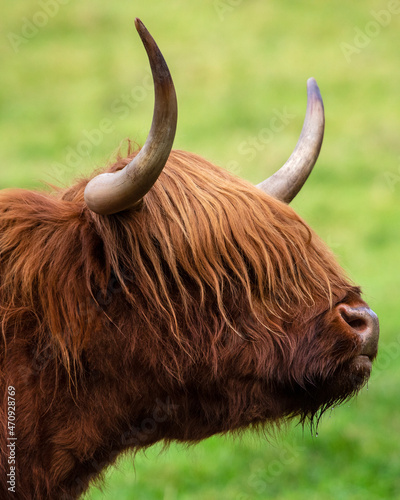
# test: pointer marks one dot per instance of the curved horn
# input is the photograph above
(110, 193)
(289, 179)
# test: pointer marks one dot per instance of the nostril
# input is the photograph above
(357, 324)
(364, 322)
(350, 316)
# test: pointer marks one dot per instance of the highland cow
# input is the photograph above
(166, 300)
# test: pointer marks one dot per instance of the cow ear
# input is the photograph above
(289, 179)
(110, 193)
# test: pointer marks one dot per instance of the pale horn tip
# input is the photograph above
(313, 92)
(289, 179)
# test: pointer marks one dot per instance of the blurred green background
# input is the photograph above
(68, 68)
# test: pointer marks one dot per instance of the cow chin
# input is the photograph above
(363, 364)
(341, 385)
(360, 371)
(347, 380)
(323, 382)
(353, 377)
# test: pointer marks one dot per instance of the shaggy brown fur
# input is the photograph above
(206, 310)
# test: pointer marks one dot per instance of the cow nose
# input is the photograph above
(364, 322)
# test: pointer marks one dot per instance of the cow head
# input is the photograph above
(243, 280)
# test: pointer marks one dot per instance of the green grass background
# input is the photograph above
(234, 64)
